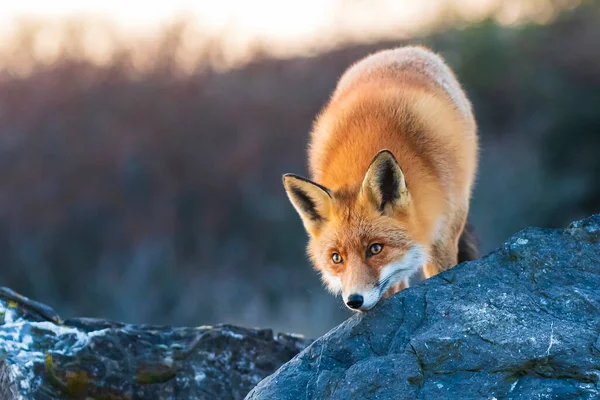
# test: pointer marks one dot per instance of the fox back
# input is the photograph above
(392, 158)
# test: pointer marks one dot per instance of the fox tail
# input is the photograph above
(467, 245)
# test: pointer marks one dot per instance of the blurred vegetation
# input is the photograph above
(154, 194)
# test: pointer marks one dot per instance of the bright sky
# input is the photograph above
(288, 26)
(257, 17)
(249, 15)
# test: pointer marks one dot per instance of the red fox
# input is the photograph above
(392, 158)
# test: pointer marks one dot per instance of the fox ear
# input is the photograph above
(311, 200)
(384, 184)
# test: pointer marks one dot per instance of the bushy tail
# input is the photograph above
(467, 245)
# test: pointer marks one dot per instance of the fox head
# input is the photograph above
(360, 238)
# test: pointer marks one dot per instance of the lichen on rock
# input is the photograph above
(44, 357)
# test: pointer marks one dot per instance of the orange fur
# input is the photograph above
(413, 199)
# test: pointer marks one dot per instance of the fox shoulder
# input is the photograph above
(398, 62)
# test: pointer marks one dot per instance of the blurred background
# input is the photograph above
(142, 143)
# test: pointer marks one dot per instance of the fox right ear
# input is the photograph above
(384, 184)
(311, 200)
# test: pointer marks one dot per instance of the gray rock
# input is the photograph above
(43, 357)
(521, 323)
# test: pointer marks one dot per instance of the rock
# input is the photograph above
(43, 357)
(521, 323)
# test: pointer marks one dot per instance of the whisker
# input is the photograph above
(382, 285)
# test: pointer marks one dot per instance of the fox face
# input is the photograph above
(360, 238)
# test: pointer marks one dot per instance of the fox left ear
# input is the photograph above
(311, 200)
(384, 184)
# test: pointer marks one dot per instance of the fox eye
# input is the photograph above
(336, 258)
(374, 249)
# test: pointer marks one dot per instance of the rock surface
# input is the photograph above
(521, 323)
(43, 357)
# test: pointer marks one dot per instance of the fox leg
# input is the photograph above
(444, 252)
(396, 288)
(444, 257)
(430, 269)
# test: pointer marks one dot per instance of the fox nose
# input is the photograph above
(355, 301)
